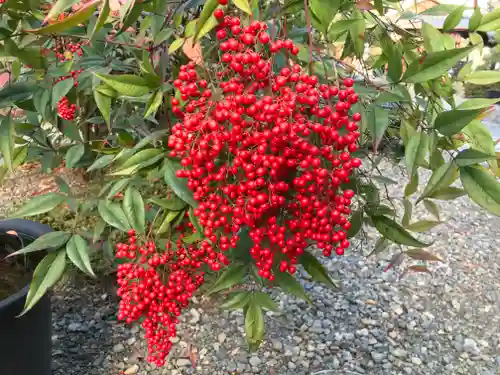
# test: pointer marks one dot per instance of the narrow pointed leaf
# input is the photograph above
(174, 203)
(243, 5)
(133, 206)
(47, 241)
(432, 208)
(154, 103)
(104, 104)
(113, 214)
(447, 193)
(101, 20)
(452, 122)
(453, 18)
(254, 323)
(101, 163)
(472, 156)
(490, 21)
(206, 13)
(290, 285)
(483, 77)
(415, 151)
(74, 154)
(423, 226)
(395, 232)
(178, 185)
(317, 271)
(77, 250)
(435, 64)
(265, 301)
(420, 254)
(126, 84)
(39, 205)
(441, 178)
(237, 300)
(232, 275)
(46, 275)
(67, 23)
(475, 19)
(482, 188)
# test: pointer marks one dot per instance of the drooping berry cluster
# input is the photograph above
(270, 154)
(64, 108)
(154, 286)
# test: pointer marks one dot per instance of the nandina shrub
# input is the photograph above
(263, 151)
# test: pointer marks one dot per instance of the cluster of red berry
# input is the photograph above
(65, 50)
(270, 154)
(156, 286)
(64, 109)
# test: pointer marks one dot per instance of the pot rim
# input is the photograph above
(35, 230)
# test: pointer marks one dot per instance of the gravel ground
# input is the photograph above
(381, 323)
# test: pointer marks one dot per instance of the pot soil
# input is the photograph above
(25, 341)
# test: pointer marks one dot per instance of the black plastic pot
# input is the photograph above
(25, 342)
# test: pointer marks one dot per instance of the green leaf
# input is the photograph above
(194, 221)
(395, 64)
(407, 214)
(59, 7)
(126, 84)
(290, 285)
(471, 156)
(113, 214)
(78, 252)
(238, 300)
(325, 11)
(357, 33)
(423, 225)
(433, 39)
(154, 102)
(117, 187)
(395, 232)
(39, 205)
(412, 186)
(254, 324)
(356, 221)
(133, 206)
(47, 241)
(175, 45)
(465, 71)
(447, 193)
(490, 21)
(243, 5)
(482, 188)
(104, 104)
(208, 26)
(416, 151)
(441, 178)
(67, 23)
(420, 254)
(483, 77)
(477, 103)
(232, 275)
(173, 204)
(143, 158)
(178, 185)
(435, 64)
(452, 122)
(60, 89)
(317, 271)
(46, 275)
(101, 163)
(99, 227)
(475, 19)
(379, 121)
(74, 154)
(453, 18)
(263, 300)
(339, 27)
(381, 244)
(206, 13)
(101, 20)
(432, 208)
(7, 144)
